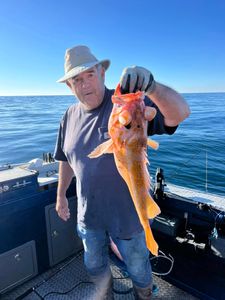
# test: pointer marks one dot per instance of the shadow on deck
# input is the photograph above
(69, 280)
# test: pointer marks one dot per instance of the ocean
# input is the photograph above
(193, 157)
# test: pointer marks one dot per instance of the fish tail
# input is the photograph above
(152, 208)
(150, 241)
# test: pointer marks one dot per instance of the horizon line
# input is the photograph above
(51, 95)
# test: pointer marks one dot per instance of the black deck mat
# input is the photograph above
(69, 280)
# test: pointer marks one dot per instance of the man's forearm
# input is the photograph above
(171, 104)
(65, 176)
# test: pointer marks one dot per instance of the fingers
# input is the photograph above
(141, 79)
(146, 75)
(135, 79)
(124, 82)
(62, 207)
(64, 213)
(151, 84)
(128, 80)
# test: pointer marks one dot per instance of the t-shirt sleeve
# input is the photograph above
(58, 153)
(157, 125)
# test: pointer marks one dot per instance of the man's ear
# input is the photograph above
(68, 84)
(103, 73)
(71, 88)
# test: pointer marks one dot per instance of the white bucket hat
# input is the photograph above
(79, 59)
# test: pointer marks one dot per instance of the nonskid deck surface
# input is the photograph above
(68, 280)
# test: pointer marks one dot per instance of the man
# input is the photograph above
(105, 207)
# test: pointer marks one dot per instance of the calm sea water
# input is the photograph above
(193, 157)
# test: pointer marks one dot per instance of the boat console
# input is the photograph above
(191, 228)
(33, 237)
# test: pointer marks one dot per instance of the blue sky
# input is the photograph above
(181, 42)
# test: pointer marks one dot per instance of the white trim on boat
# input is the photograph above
(216, 201)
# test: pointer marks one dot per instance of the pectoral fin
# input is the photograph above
(106, 147)
(153, 144)
(125, 117)
(150, 113)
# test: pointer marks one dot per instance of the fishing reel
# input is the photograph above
(159, 184)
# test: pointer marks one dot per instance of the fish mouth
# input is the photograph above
(128, 126)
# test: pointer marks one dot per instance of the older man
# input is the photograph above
(105, 207)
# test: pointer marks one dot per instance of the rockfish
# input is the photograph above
(127, 128)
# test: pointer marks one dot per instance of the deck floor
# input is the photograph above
(67, 281)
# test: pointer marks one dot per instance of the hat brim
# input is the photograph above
(77, 70)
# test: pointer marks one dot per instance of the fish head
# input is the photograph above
(127, 125)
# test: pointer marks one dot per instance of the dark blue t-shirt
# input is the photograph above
(104, 201)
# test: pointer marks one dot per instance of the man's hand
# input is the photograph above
(62, 208)
(135, 79)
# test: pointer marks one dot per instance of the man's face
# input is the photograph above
(89, 87)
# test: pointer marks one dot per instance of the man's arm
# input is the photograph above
(171, 104)
(65, 176)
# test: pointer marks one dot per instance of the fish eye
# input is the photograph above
(128, 126)
(118, 105)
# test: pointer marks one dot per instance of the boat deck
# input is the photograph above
(69, 280)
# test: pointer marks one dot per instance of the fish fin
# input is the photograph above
(149, 113)
(150, 241)
(153, 144)
(152, 208)
(125, 117)
(106, 147)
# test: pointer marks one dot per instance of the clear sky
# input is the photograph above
(181, 42)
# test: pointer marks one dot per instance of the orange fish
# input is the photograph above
(127, 128)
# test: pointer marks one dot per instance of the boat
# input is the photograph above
(41, 257)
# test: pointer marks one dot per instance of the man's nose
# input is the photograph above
(85, 83)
